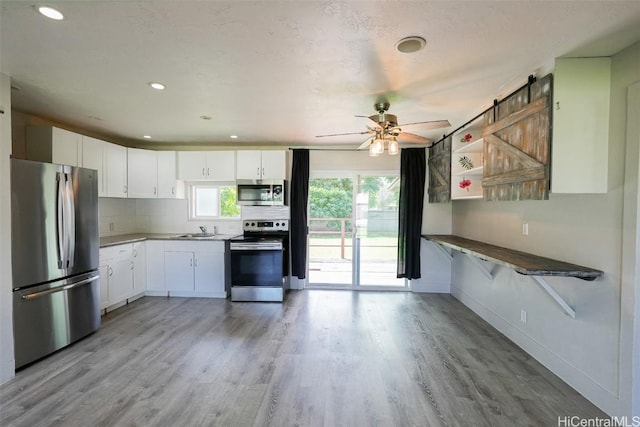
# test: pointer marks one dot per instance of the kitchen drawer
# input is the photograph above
(116, 252)
(194, 246)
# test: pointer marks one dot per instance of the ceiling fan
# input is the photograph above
(386, 128)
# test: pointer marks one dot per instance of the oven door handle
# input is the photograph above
(256, 247)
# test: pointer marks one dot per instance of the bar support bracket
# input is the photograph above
(557, 298)
(483, 268)
(442, 250)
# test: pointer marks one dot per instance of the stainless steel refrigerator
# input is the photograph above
(54, 250)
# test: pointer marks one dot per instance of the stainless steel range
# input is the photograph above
(260, 261)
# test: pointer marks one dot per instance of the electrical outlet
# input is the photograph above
(112, 226)
(523, 316)
(525, 228)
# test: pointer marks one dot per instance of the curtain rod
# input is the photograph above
(496, 103)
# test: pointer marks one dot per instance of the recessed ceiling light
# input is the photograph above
(51, 13)
(147, 136)
(156, 85)
(233, 136)
(410, 44)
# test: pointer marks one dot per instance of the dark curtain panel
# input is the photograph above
(412, 178)
(298, 224)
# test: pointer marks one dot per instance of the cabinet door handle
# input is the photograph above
(195, 262)
(110, 271)
(208, 172)
(262, 171)
(191, 262)
(173, 191)
(125, 189)
(203, 172)
(557, 105)
(258, 172)
(155, 191)
(135, 253)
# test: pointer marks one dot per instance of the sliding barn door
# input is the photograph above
(439, 172)
(517, 143)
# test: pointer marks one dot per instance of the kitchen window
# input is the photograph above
(209, 201)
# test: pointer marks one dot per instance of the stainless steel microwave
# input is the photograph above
(262, 192)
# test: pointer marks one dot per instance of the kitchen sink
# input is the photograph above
(197, 236)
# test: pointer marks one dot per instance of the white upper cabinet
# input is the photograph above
(221, 165)
(192, 165)
(93, 157)
(142, 175)
(169, 187)
(206, 165)
(53, 145)
(581, 96)
(252, 164)
(116, 164)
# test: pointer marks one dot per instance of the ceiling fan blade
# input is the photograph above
(430, 124)
(374, 118)
(366, 143)
(341, 134)
(412, 138)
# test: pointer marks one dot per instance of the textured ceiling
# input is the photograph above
(281, 72)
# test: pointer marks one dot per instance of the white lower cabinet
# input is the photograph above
(155, 268)
(194, 269)
(121, 283)
(105, 274)
(179, 268)
(123, 274)
(139, 268)
(178, 271)
(116, 275)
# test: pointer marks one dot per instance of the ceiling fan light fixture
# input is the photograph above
(378, 145)
(372, 151)
(411, 44)
(393, 147)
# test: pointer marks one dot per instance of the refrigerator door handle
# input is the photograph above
(70, 216)
(59, 289)
(60, 220)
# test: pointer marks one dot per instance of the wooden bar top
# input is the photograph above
(521, 262)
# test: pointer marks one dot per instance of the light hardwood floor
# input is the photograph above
(323, 358)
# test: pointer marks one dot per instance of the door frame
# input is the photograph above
(354, 175)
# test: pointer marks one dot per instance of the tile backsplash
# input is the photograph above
(124, 216)
(116, 216)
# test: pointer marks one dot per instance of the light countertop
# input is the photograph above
(138, 237)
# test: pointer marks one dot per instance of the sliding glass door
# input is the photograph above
(353, 232)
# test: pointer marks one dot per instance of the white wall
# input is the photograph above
(7, 362)
(630, 290)
(582, 229)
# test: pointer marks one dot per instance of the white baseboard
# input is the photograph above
(568, 373)
(422, 286)
(185, 294)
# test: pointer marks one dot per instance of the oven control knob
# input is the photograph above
(246, 224)
(277, 224)
(253, 224)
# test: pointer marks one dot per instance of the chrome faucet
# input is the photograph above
(203, 229)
